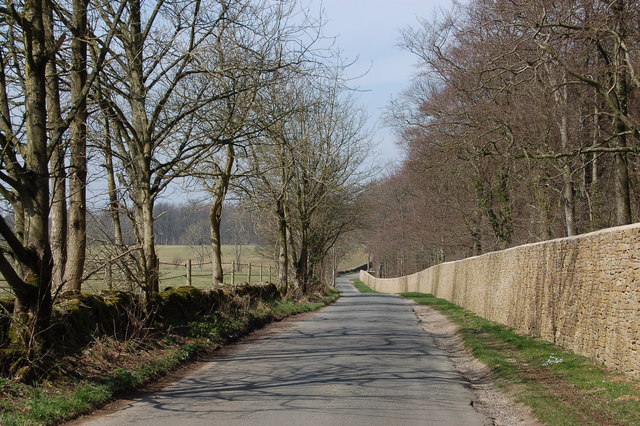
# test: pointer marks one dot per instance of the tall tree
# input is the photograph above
(173, 58)
(77, 236)
(309, 166)
(32, 133)
(540, 100)
(248, 67)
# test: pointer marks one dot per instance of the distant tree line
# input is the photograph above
(521, 125)
(179, 224)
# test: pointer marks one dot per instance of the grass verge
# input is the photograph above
(111, 367)
(362, 287)
(561, 387)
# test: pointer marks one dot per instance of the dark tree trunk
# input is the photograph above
(219, 193)
(77, 241)
(283, 255)
(57, 161)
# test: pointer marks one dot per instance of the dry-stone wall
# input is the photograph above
(581, 292)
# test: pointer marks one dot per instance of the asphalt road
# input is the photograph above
(361, 361)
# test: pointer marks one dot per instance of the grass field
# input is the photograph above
(249, 254)
(173, 270)
(354, 259)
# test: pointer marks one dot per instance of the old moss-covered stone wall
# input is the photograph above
(581, 292)
(78, 318)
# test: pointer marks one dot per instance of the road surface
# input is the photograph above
(361, 361)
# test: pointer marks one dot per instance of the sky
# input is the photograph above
(369, 31)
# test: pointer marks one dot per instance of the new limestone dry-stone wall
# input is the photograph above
(582, 293)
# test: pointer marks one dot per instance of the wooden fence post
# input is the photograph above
(261, 280)
(109, 277)
(249, 274)
(270, 279)
(233, 272)
(188, 272)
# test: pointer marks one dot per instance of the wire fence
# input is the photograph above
(173, 274)
(233, 272)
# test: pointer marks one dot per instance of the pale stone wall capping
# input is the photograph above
(580, 292)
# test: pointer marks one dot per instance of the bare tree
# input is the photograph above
(160, 76)
(612, 74)
(77, 236)
(539, 100)
(246, 66)
(33, 126)
(308, 168)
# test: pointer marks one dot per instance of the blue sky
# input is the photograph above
(369, 30)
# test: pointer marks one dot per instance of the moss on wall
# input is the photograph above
(79, 318)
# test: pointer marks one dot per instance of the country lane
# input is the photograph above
(361, 361)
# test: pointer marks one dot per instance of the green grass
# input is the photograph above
(249, 253)
(54, 402)
(362, 287)
(48, 404)
(287, 307)
(175, 275)
(561, 387)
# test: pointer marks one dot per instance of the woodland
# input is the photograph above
(521, 125)
(185, 224)
(138, 98)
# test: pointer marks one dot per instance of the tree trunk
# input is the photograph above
(215, 216)
(591, 174)
(77, 241)
(302, 262)
(623, 202)
(621, 168)
(291, 250)
(141, 147)
(33, 290)
(476, 236)
(149, 250)
(500, 216)
(476, 248)
(568, 193)
(144, 225)
(219, 193)
(622, 91)
(58, 217)
(13, 196)
(114, 204)
(283, 258)
(591, 188)
(568, 196)
(58, 170)
(543, 205)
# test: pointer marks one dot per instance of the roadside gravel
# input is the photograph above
(491, 400)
